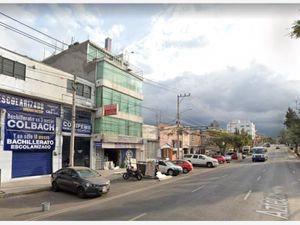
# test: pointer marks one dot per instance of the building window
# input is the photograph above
(11, 68)
(81, 89)
(87, 90)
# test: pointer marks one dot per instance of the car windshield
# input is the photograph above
(84, 173)
(258, 151)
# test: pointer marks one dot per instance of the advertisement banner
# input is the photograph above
(110, 109)
(26, 132)
(22, 104)
(80, 127)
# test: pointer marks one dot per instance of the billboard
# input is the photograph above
(28, 132)
(22, 104)
(110, 109)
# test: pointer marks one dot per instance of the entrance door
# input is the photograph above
(31, 163)
(81, 151)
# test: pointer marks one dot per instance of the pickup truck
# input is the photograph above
(201, 160)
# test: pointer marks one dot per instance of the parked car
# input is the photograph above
(233, 155)
(259, 154)
(201, 160)
(246, 150)
(277, 147)
(228, 158)
(221, 159)
(169, 168)
(80, 180)
(186, 165)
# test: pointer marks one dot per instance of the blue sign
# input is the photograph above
(29, 132)
(81, 127)
(20, 104)
(98, 144)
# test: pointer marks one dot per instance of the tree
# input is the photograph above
(292, 123)
(295, 29)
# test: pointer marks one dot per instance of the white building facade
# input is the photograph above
(35, 105)
(239, 125)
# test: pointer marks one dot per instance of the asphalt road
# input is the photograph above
(238, 191)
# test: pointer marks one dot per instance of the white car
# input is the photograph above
(167, 167)
(259, 154)
(201, 160)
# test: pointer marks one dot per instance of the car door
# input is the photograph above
(194, 159)
(74, 180)
(162, 167)
(202, 160)
(62, 179)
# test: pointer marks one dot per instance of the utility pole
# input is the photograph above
(178, 120)
(72, 140)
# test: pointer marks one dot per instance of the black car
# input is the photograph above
(80, 180)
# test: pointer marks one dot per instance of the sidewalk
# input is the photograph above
(37, 184)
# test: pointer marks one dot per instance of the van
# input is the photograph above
(246, 150)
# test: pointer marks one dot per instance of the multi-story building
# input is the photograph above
(118, 98)
(168, 141)
(239, 125)
(35, 105)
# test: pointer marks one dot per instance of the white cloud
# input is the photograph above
(229, 41)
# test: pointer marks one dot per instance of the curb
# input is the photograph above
(7, 195)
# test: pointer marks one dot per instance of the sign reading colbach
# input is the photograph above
(29, 132)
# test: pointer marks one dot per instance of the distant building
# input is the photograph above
(239, 125)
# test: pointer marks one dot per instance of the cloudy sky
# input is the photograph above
(237, 61)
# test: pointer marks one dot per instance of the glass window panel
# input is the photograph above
(20, 70)
(1, 64)
(69, 86)
(8, 67)
(87, 91)
(79, 89)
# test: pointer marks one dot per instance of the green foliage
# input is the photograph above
(223, 139)
(292, 123)
(295, 29)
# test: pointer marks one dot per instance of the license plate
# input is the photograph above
(104, 189)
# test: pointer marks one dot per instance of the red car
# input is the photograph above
(186, 165)
(233, 155)
(221, 159)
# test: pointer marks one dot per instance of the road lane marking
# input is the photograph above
(258, 178)
(197, 189)
(275, 204)
(97, 201)
(137, 217)
(247, 195)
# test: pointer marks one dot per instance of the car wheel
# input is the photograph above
(139, 177)
(54, 187)
(253, 160)
(80, 192)
(185, 170)
(170, 172)
(209, 165)
(125, 176)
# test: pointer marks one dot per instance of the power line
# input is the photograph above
(33, 28)
(29, 36)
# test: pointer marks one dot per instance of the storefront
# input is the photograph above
(82, 143)
(119, 156)
(30, 134)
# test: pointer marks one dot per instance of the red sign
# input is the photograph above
(110, 110)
